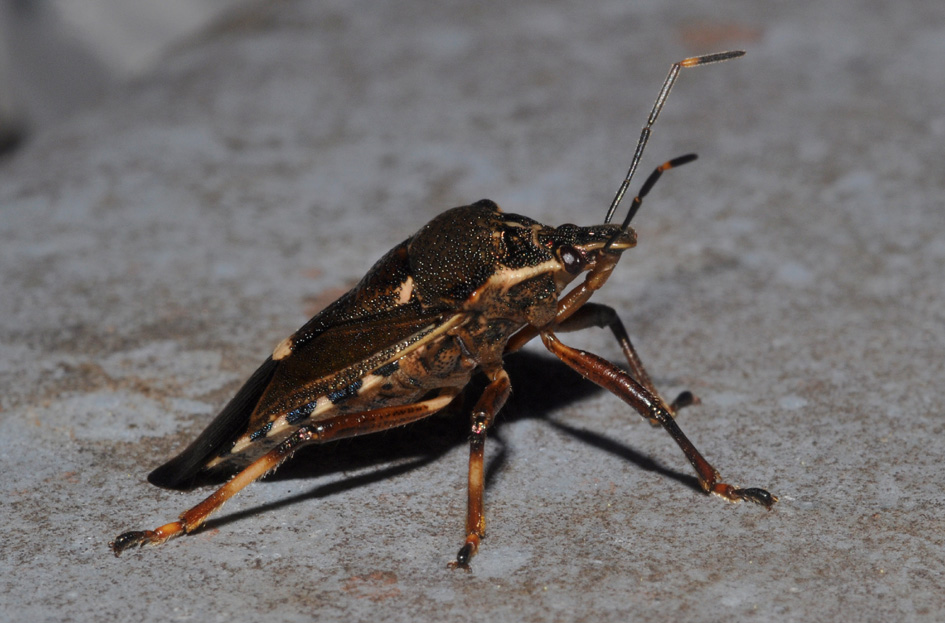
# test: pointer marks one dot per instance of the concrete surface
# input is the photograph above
(154, 250)
(60, 56)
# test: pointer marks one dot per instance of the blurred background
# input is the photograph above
(58, 56)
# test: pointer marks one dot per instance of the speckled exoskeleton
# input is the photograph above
(473, 285)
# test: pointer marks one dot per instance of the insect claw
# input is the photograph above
(758, 496)
(465, 554)
(734, 494)
(683, 400)
(130, 539)
(145, 537)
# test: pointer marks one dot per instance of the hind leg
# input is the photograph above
(338, 427)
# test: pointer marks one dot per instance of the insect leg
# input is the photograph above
(492, 399)
(601, 316)
(618, 382)
(337, 427)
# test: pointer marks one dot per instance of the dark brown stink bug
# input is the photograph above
(473, 285)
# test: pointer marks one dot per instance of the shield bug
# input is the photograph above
(473, 285)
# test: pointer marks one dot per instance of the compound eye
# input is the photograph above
(572, 259)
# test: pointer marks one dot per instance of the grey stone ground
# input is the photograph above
(156, 248)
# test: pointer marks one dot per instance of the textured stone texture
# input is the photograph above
(154, 250)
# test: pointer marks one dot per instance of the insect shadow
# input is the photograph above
(542, 384)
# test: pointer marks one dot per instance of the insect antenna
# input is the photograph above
(646, 188)
(651, 181)
(654, 114)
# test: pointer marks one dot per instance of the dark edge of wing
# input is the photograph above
(225, 428)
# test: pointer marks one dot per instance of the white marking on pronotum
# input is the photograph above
(508, 277)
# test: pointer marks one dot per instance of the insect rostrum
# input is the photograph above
(473, 285)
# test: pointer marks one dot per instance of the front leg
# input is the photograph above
(596, 315)
(625, 387)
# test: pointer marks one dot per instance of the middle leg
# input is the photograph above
(492, 399)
